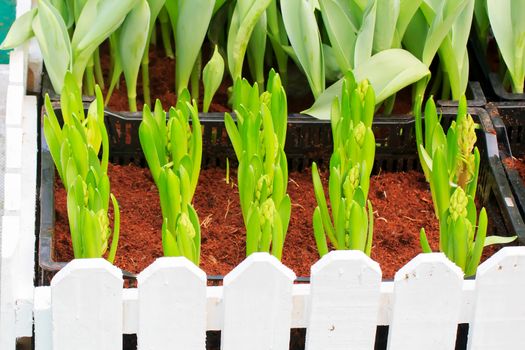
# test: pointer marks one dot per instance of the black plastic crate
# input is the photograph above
(509, 122)
(308, 139)
(474, 94)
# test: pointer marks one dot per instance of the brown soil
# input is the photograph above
(516, 163)
(162, 85)
(402, 205)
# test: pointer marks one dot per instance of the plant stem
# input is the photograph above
(195, 77)
(445, 90)
(145, 76)
(90, 79)
(165, 31)
(132, 101)
(98, 69)
(389, 105)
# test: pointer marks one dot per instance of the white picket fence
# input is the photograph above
(86, 306)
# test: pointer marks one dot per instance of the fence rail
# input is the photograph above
(86, 306)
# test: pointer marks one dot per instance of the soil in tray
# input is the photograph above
(518, 164)
(402, 205)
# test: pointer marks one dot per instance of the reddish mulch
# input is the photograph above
(516, 163)
(162, 86)
(402, 205)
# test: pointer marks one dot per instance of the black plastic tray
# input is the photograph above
(491, 82)
(308, 140)
(474, 94)
(509, 122)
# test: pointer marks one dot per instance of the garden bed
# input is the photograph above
(397, 219)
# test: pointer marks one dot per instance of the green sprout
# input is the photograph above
(173, 150)
(258, 137)
(351, 164)
(451, 165)
(74, 148)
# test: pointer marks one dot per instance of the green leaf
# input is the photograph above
(21, 30)
(116, 230)
(212, 77)
(506, 20)
(370, 236)
(234, 135)
(132, 42)
(321, 202)
(253, 232)
(478, 245)
(440, 181)
(320, 238)
(244, 19)
(388, 72)
(490, 240)
(51, 33)
(192, 21)
(108, 15)
(301, 27)
(424, 241)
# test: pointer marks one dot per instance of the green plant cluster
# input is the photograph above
(258, 136)
(351, 224)
(451, 165)
(74, 148)
(173, 150)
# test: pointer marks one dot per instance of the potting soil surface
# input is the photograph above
(402, 204)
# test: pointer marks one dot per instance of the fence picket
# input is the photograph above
(86, 299)
(257, 305)
(344, 302)
(427, 299)
(499, 310)
(172, 306)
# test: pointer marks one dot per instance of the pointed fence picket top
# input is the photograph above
(172, 306)
(344, 302)
(257, 305)
(499, 315)
(426, 305)
(86, 306)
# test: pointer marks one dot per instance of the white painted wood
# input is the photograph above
(25, 255)
(24, 317)
(42, 314)
(13, 148)
(257, 305)
(172, 306)
(499, 315)
(344, 302)
(385, 303)
(86, 306)
(427, 300)
(9, 236)
(300, 305)
(214, 308)
(12, 191)
(18, 65)
(130, 308)
(14, 105)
